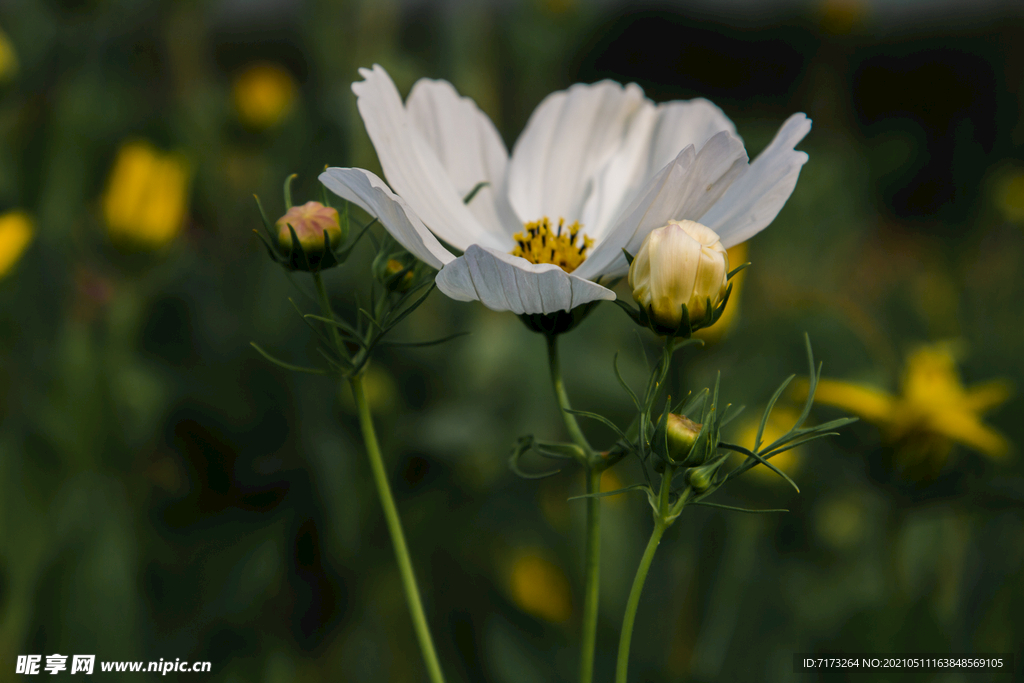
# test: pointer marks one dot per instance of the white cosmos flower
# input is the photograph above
(602, 158)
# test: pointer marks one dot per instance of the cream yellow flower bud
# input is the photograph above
(682, 263)
(309, 221)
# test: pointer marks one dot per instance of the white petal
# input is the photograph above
(412, 167)
(503, 282)
(369, 193)
(756, 198)
(683, 190)
(567, 141)
(469, 148)
(656, 135)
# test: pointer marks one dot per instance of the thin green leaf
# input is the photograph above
(768, 410)
(342, 366)
(263, 215)
(523, 445)
(434, 342)
(812, 379)
(622, 382)
(343, 254)
(343, 326)
(319, 333)
(797, 433)
(734, 508)
(600, 418)
(369, 317)
(747, 465)
(559, 451)
(324, 199)
(266, 243)
(798, 442)
(737, 269)
(288, 191)
(411, 307)
(472, 193)
(731, 413)
(698, 399)
(287, 366)
(605, 494)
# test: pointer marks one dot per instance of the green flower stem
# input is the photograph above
(325, 310)
(592, 585)
(575, 433)
(592, 563)
(663, 519)
(387, 501)
(622, 665)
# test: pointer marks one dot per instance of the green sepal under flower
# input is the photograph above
(559, 322)
(396, 268)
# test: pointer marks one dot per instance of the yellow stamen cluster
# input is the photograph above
(538, 243)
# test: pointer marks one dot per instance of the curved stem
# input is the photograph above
(663, 518)
(622, 665)
(573, 427)
(387, 502)
(592, 562)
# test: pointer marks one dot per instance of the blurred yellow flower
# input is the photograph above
(933, 410)
(539, 587)
(610, 481)
(8, 58)
(779, 422)
(737, 257)
(263, 95)
(16, 230)
(1010, 196)
(842, 16)
(147, 195)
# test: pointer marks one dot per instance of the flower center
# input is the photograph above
(538, 243)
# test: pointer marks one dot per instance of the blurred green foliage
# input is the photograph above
(166, 493)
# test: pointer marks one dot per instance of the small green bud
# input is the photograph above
(396, 271)
(393, 269)
(701, 478)
(310, 221)
(682, 434)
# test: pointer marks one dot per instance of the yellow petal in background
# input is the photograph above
(539, 587)
(264, 95)
(16, 230)
(737, 257)
(1010, 196)
(8, 58)
(869, 403)
(779, 422)
(147, 195)
(967, 428)
(982, 397)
